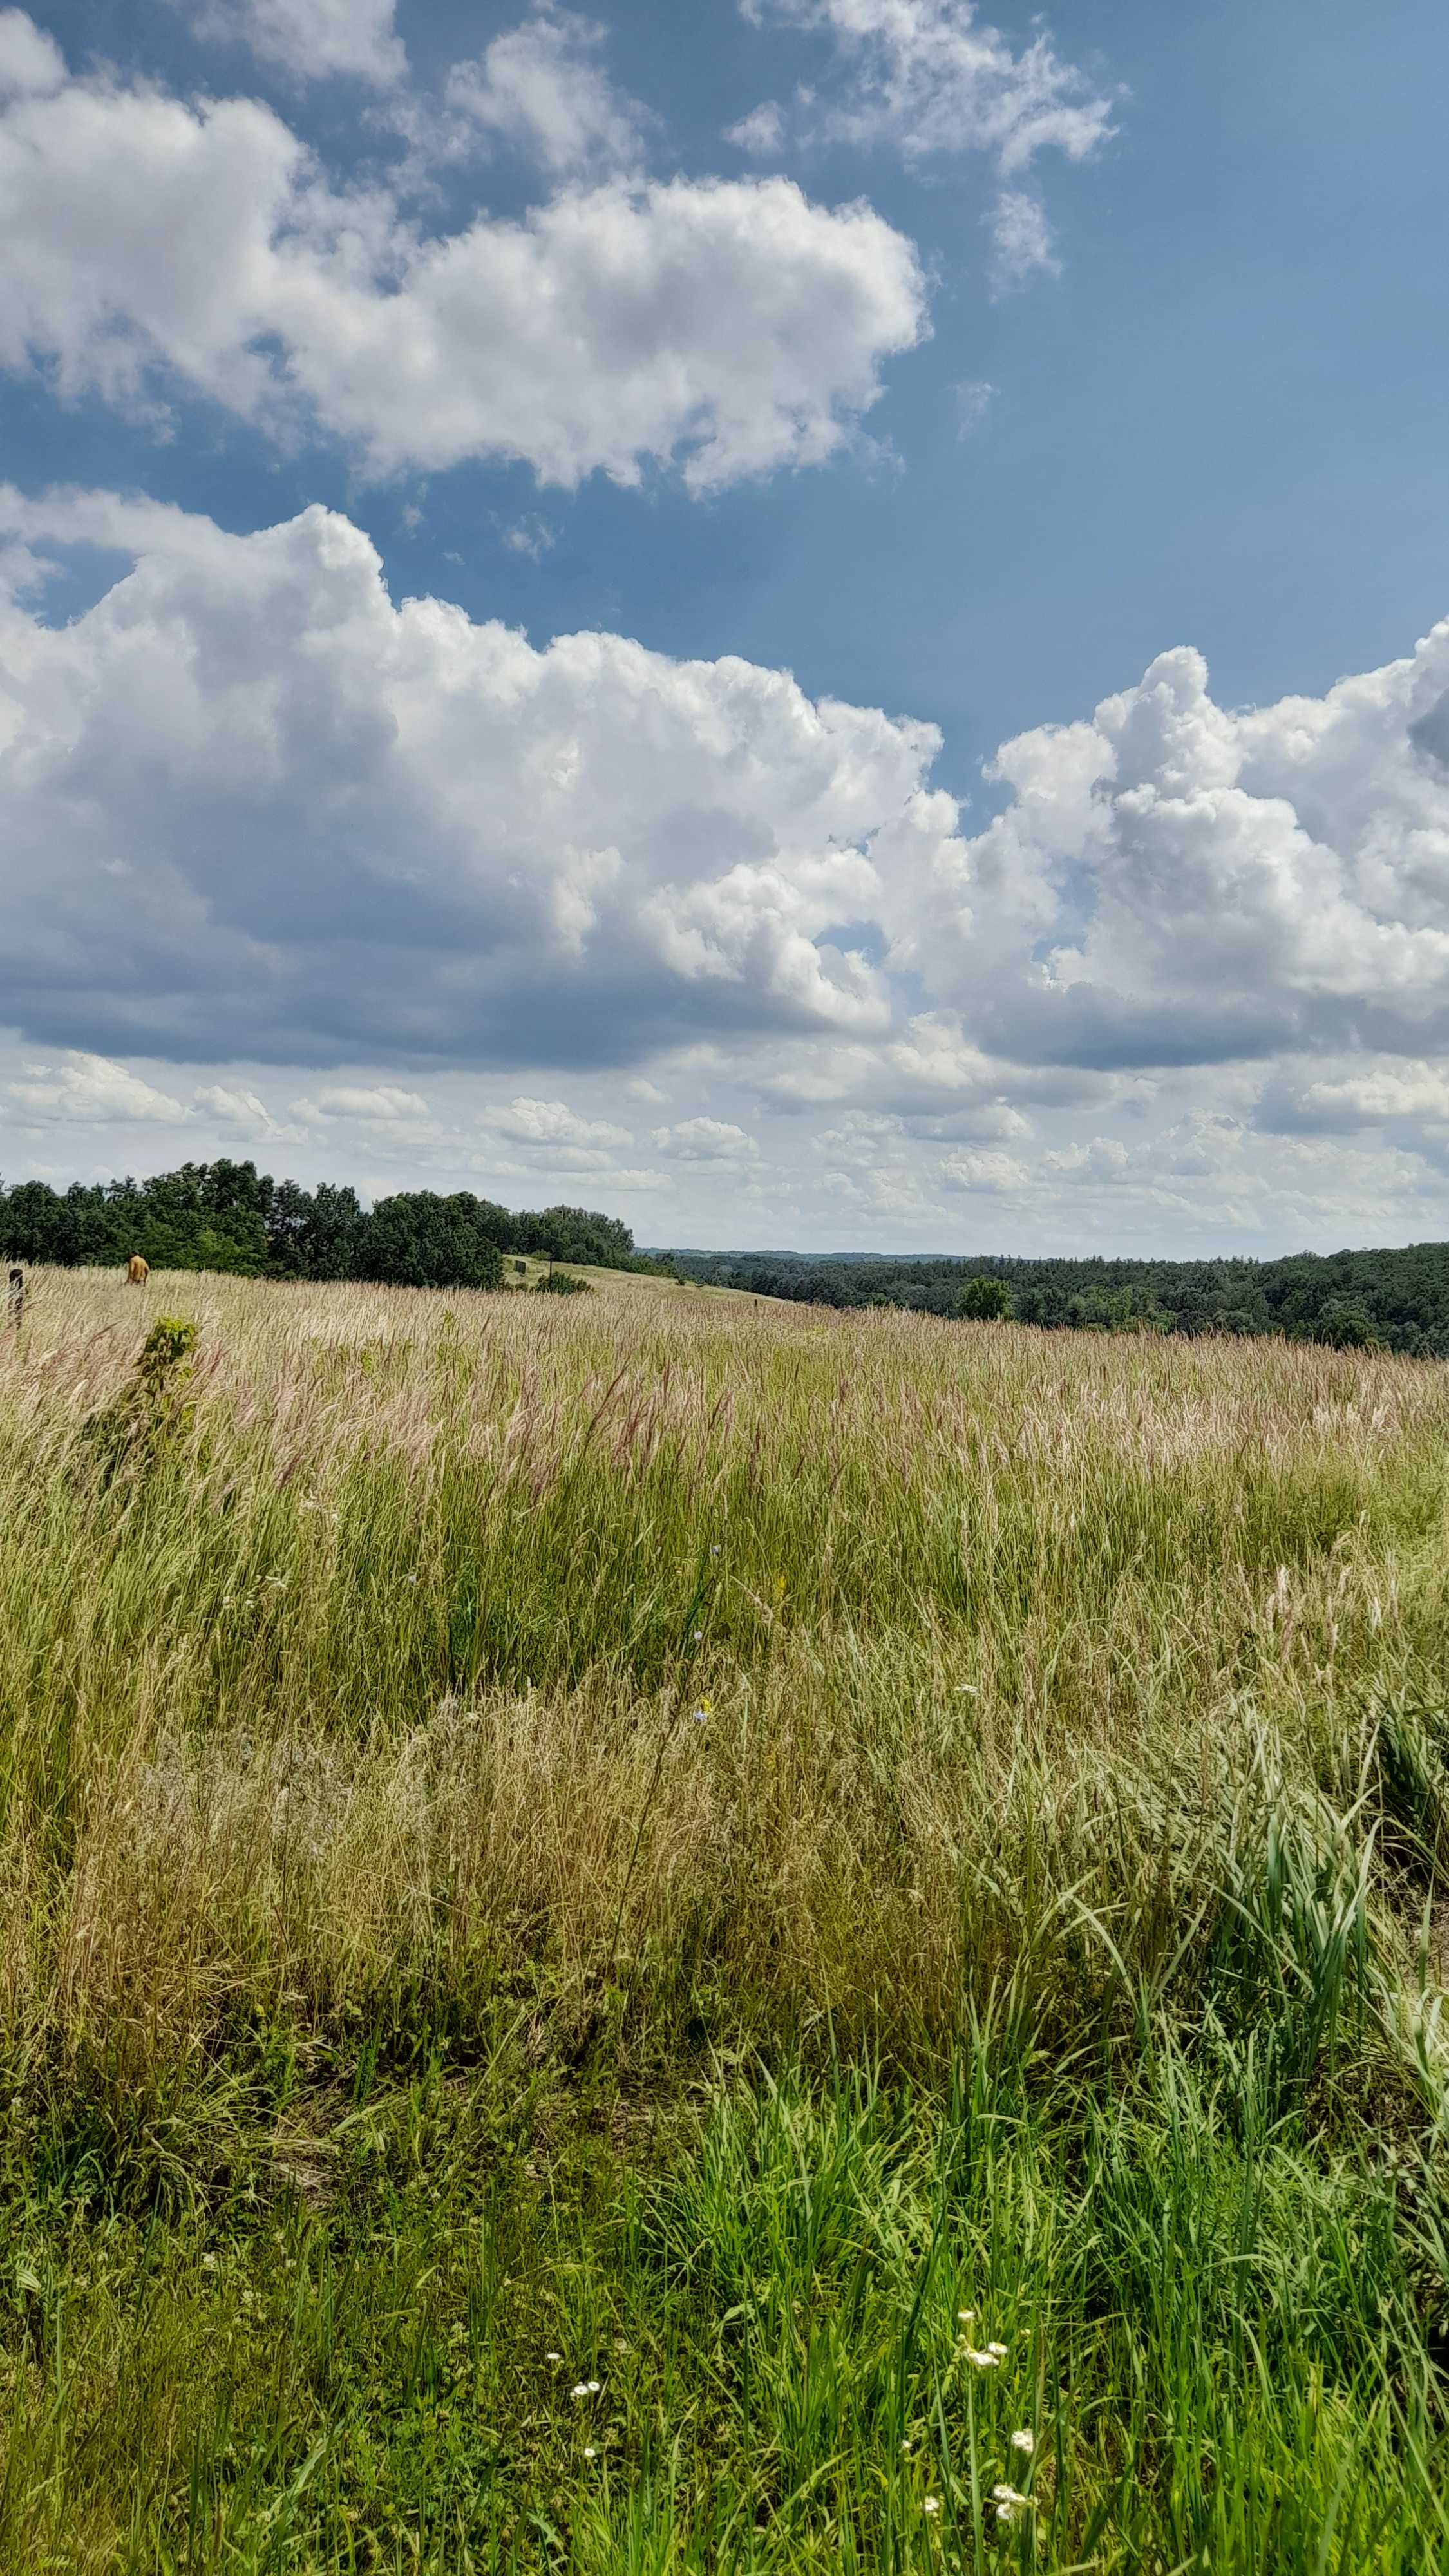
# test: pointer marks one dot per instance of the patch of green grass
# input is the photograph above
(828, 2319)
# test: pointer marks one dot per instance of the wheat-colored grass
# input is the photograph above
(823, 1653)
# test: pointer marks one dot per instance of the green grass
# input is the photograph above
(743, 1856)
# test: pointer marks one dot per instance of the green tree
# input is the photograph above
(420, 1240)
(985, 1301)
(1345, 1326)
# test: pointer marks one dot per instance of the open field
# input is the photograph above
(629, 1285)
(637, 1929)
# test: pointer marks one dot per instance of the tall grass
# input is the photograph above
(525, 1824)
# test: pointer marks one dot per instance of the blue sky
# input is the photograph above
(1000, 362)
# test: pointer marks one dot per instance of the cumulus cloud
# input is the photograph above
(1379, 1092)
(705, 1140)
(1253, 882)
(542, 85)
(983, 1170)
(375, 1103)
(249, 805)
(315, 39)
(551, 1123)
(252, 809)
(730, 327)
(228, 1105)
(31, 63)
(86, 1090)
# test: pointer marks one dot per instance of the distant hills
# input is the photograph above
(1397, 1298)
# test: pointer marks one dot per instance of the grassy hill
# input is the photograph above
(525, 1270)
(653, 1933)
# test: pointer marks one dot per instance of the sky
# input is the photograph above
(817, 623)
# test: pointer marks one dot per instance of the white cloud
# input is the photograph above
(761, 133)
(705, 1140)
(316, 39)
(31, 63)
(1174, 883)
(252, 809)
(1379, 1092)
(226, 1106)
(730, 327)
(973, 401)
(542, 86)
(531, 535)
(249, 806)
(380, 1103)
(549, 1123)
(1021, 238)
(1091, 1159)
(88, 1090)
(929, 77)
(984, 1170)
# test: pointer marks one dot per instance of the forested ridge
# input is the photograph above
(1399, 1298)
(228, 1216)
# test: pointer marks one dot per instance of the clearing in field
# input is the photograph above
(643, 1933)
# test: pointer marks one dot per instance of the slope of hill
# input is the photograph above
(644, 1933)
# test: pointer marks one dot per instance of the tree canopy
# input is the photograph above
(229, 1216)
(1397, 1299)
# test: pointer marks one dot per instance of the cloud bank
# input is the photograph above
(254, 812)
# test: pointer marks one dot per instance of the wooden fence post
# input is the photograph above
(15, 1302)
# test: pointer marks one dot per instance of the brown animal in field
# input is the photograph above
(138, 1271)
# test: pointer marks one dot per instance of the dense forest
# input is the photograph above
(229, 1216)
(1397, 1298)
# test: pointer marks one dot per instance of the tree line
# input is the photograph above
(1397, 1299)
(230, 1216)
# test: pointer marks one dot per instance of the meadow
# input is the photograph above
(658, 1933)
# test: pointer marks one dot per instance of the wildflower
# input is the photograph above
(553, 2356)
(593, 2387)
(704, 1712)
(905, 2450)
(987, 2360)
(699, 1636)
(1024, 2441)
(589, 2451)
(410, 1578)
(931, 2505)
(997, 2351)
(208, 2262)
(965, 2316)
(1007, 2512)
(583, 2389)
(1009, 2502)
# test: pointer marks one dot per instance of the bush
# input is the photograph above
(562, 1283)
